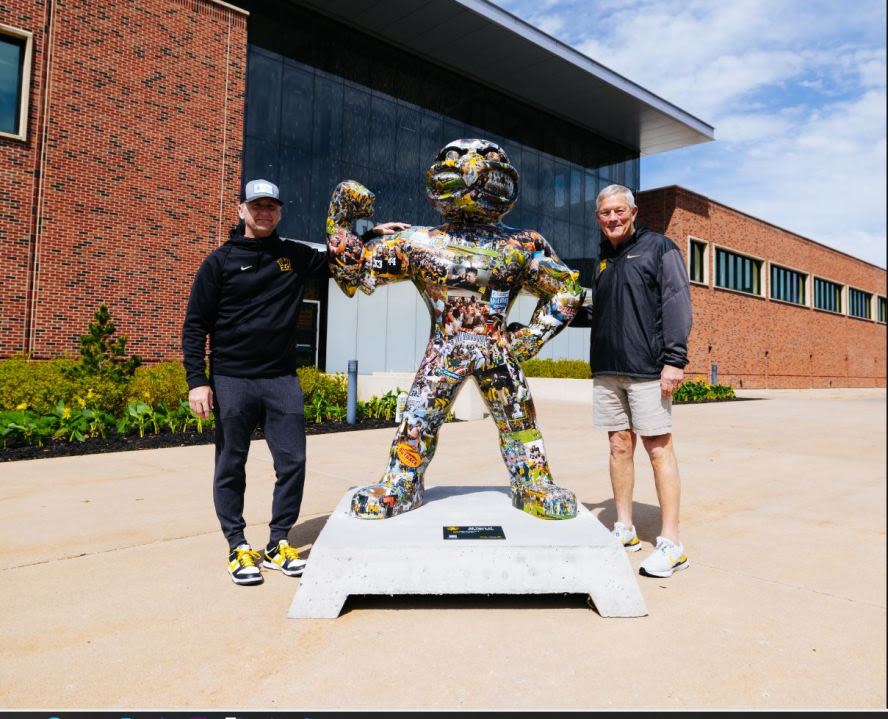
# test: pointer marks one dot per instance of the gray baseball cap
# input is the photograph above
(261, 188)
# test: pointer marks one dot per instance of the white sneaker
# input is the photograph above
(664, 560)
(627, 537)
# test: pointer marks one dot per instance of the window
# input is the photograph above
(736, 272)
(788, 285)
(860, 304)
(698, 261)
(15, 70)
(882, 309)
(827, 295)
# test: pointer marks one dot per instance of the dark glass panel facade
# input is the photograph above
(326, 103)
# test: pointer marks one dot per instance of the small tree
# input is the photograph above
(102, 356)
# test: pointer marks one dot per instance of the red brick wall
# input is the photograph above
(758, 342)
(137, 175)
(18, 187)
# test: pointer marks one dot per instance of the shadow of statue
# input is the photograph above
(305, 534)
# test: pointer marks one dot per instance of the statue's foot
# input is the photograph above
(544, 500)
(385, 499)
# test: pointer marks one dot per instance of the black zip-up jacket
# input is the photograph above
(246, 296)
(640, 313)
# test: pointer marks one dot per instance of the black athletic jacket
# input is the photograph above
(641, 307)
(246, 297)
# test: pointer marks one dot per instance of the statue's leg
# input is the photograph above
(505, 391)
(401, 487)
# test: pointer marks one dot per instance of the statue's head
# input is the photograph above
(472, 180)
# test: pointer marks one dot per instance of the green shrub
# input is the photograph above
(163, 382)
(102, 356)
(331, 388)
(385, 407)
(33, 384)
(565, 368)
(26, 427)
(697, 390)
(39, 385)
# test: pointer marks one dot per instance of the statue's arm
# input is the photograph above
(362, 262)
(561, 296)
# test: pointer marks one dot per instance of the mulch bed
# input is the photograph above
(97, 445)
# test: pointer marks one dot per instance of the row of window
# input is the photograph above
(740, 273)
(15, 67)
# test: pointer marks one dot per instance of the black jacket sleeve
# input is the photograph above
(675, 299)
(200, 319)
(312, 262)
(584, 317)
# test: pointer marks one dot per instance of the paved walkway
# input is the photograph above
(115, 595)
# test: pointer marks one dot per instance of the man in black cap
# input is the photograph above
(246, 297)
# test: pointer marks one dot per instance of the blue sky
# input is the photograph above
(796, 91)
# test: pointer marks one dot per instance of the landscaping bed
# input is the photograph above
(96, 445)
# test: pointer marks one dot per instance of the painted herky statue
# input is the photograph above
(469, 272)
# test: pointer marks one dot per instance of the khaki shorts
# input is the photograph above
(620, 402)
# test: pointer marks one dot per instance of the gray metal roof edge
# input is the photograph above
(523, 28)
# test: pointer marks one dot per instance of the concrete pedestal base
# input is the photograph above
(408, 554)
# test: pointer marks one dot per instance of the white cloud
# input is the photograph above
(795, 90)
(551, 24)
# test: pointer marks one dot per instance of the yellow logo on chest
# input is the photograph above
(285, 264)
(603, 266)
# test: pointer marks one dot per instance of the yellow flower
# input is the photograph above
(90, 394)
(146, 394)
(22, 405)
(80, 401)
(66, 413)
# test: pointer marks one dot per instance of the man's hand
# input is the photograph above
(389, 228)
(670, 380)
(200, 399)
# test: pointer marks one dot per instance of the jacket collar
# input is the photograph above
(608, 250)
(238, 239)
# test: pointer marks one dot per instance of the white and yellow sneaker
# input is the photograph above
(284, 557)
(242, 565)
(626, 536)
(666, 558)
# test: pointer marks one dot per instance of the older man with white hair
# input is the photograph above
(640, 316)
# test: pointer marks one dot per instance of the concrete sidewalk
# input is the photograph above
(115, 594)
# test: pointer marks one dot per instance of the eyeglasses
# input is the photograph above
(618, 212)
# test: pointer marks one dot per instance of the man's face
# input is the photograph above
(616, 219)
(260, 217)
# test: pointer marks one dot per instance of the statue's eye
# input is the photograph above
(493, 155)
(451, 155)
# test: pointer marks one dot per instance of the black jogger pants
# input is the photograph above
(240, 404)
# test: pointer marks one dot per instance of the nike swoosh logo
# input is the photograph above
(628, 257)
(246, 267)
